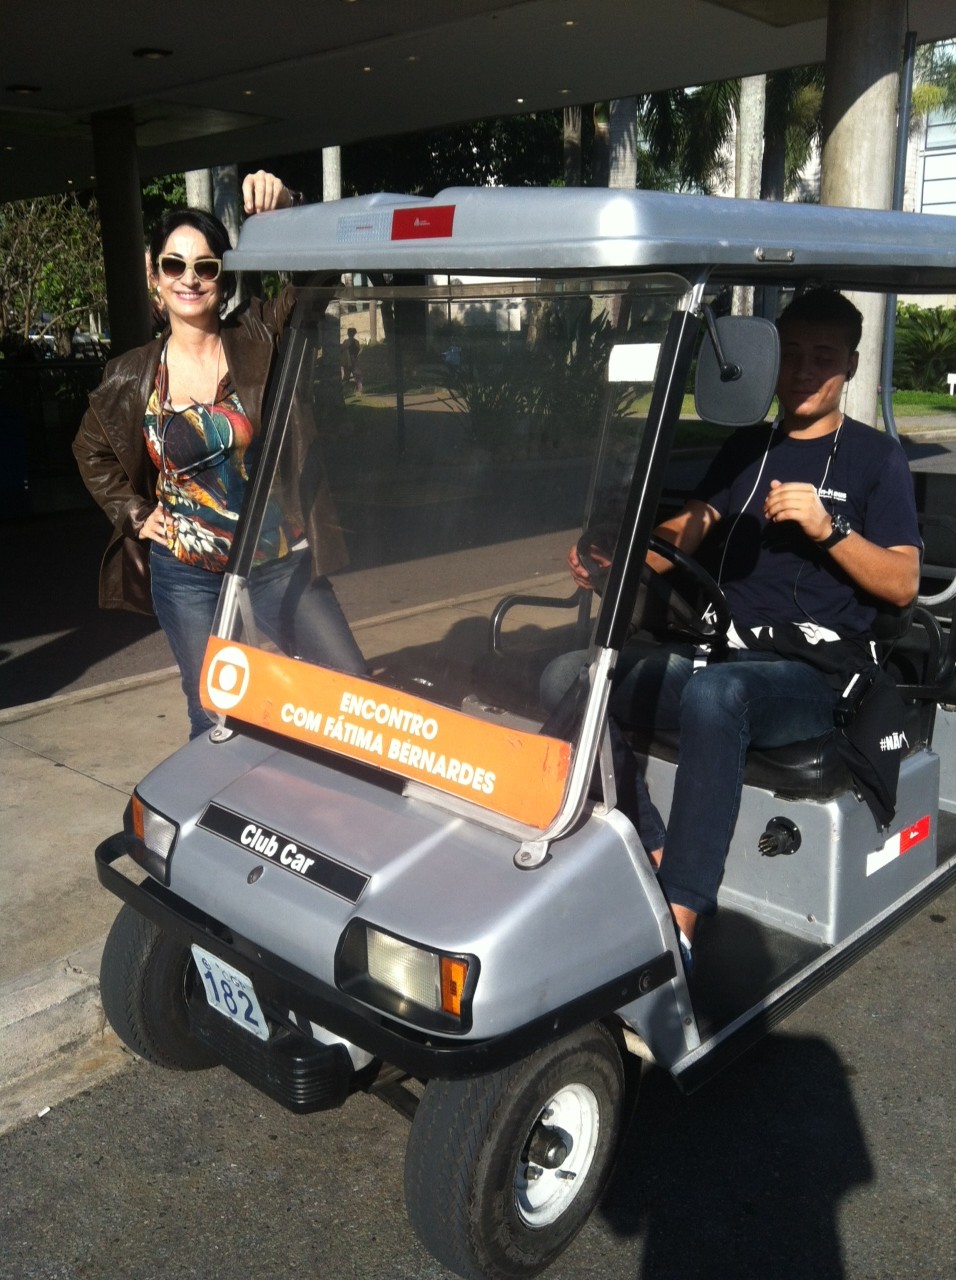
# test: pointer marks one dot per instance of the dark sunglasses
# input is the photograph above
(173, 266)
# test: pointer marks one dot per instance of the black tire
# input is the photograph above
(467, 1195)
(143, 983)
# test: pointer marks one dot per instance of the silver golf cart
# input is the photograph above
(416, 880)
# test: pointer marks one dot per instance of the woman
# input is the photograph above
(167, 448)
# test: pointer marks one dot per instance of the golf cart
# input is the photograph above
(417, 881)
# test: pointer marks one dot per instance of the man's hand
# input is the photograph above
(262, 191)
(800, 503)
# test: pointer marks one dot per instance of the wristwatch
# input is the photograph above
(840, 529)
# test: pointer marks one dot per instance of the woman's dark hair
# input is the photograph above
(209, 226)
(825, 306)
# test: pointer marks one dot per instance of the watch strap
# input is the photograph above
(840, 530)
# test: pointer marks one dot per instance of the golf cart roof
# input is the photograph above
(505, 230)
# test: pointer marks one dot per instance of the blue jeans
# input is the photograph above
(633, 798)
(304, 619)
(720, 710)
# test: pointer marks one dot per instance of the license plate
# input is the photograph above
(230, 993)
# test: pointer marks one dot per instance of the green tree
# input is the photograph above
(51, 268)
(792, 128)
(514, 151)
(160, 194)
(925, 347)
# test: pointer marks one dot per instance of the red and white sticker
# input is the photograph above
(897, 845)
(425, 223)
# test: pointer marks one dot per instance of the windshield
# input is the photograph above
(434, 452)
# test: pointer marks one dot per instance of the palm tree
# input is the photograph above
(792, 128)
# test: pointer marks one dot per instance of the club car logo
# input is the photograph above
(227, 678)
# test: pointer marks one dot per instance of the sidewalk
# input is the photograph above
(68, 765)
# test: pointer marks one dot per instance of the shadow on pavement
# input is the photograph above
(53, 635)
(744, 1178)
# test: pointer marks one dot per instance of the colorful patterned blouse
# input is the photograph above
(205, 455)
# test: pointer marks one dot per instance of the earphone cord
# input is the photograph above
(826, 472)
(763, 463)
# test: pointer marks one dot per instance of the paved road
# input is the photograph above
(828, 1153)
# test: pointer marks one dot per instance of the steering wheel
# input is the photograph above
(680, 615)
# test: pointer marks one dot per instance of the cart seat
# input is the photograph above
(807, 770)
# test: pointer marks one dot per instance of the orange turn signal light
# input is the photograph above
(453, 975)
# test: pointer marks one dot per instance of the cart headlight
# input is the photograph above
(153, 838)
(410, 981)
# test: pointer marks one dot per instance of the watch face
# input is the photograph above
(841, 525)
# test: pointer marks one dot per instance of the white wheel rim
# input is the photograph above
(543, 1194)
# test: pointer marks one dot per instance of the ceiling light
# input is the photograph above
(22, 88)
(152, 55)
(366, 68)
(247, 93)
(519, 99)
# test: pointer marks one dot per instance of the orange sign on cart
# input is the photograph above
(511, 772)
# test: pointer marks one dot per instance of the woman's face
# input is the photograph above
(188, 299)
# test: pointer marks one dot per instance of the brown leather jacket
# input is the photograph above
(110, 449)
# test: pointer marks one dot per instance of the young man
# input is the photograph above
(821, 525)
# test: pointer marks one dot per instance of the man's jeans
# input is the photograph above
(720, 710)
(305, 620)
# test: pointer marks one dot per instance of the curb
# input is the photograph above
(47, 1016)
(27, 709)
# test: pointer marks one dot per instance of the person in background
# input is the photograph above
(169, 444)
(351, 349)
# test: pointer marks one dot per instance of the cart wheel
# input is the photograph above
(503, 1171)
(143, 983)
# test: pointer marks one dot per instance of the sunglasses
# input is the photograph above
(212, 458)
(173, 266)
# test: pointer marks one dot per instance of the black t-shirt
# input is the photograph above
(773, 573)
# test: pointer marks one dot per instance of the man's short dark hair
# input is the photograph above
(825, 306)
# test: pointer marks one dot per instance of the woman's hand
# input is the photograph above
(154, 527)
(262, 191)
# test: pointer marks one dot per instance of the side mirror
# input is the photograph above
(737, 370)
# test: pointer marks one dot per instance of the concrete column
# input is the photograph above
(121, 217)
(864, 40)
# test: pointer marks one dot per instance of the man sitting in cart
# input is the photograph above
(822, 526)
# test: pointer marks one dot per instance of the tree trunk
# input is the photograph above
(748, 160)
(622, 170)
(199, 189)
(773, 176)
(572, 146)
(600, 147)
(331, 173)
(225, 200)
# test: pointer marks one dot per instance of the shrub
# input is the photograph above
(925, 347)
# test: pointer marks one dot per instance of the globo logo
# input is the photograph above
(227, 678)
